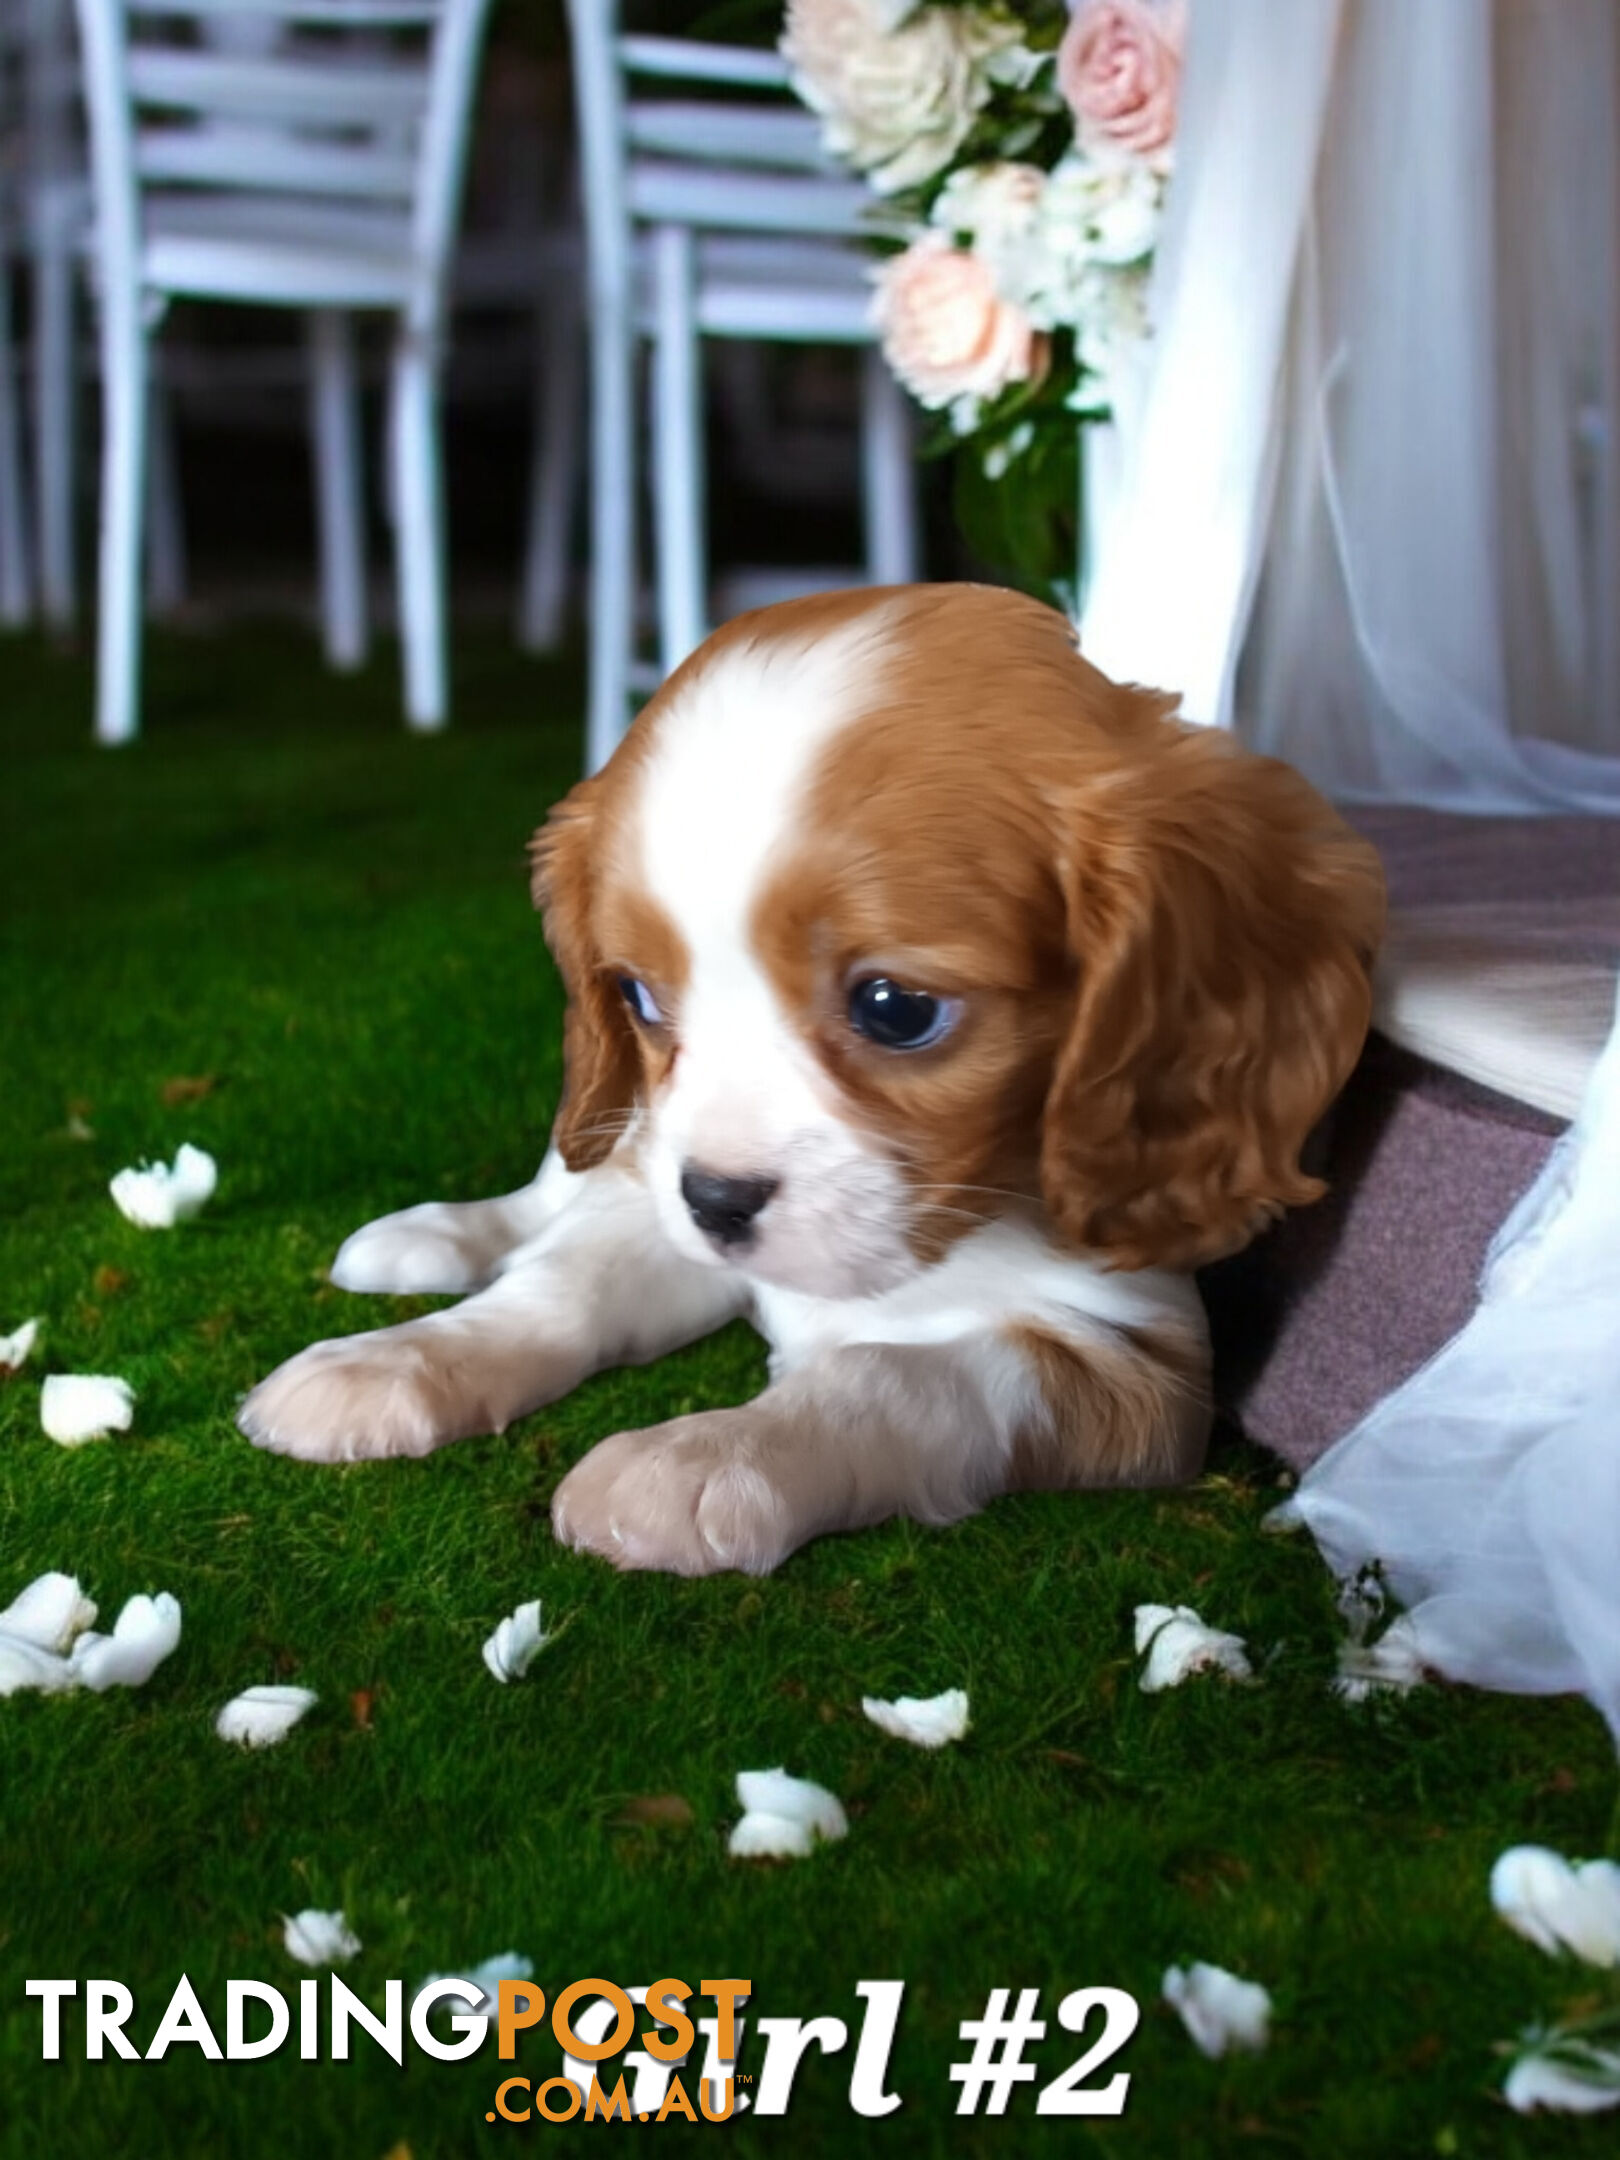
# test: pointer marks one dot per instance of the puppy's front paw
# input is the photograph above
(432, 1250)
(685, 1497)
(354, 1399)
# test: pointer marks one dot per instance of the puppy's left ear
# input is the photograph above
(1222, 920)
(600, 1065)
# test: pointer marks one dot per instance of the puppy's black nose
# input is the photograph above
(724, 1207)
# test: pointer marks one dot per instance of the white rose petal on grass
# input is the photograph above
(15, 1348)
(144, 1634)
(771, 1837)
(76, 1407)
(783, 1816)
(260, 1716)
(1559, 1905)
(25, 1664)
(1392, 1664)
(509, 1965)
(319, 1938)
(156, 1196)
(1219, 2010)
(1178, 1645)
(516, 1643)
(49, 1613)
(929, 1722)
(1578, 2079)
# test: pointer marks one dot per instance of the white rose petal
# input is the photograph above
(1219, 2010)
(144, 1634)
(76, 1407)
(1545, 2081)
(14, 1349)
(319, 1938)
(783, 1816)
(928, 1722)
(487, 1977)
(49, 1613)
(25, 1664)
(156, 1196)
(1178, 1645)
(1559, 1906)
(260, 1716)
(759, 1836)
(1393, 1662)
(516, 1643)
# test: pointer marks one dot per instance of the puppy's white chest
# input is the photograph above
(1006, 1274)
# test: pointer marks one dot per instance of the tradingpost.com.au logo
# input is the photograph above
(588, 2035)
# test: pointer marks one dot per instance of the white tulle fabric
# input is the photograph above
(1488, 1487)
(1369, 501)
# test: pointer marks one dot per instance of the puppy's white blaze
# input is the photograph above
(721, 783)
(748, 1097)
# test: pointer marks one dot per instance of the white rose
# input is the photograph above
(1089, 217)
(1113, 318)
(897, 88)
(994, 209)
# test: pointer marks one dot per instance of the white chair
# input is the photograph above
(706, 216)
(56, 191)
(16, 539)
(292, 153)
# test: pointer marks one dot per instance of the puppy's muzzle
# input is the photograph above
(724, 1208)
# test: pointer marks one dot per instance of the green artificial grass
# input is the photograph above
(324, 923)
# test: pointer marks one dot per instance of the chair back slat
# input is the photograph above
(690, 60)
(689, 194)
(225, 155)
(328, 14)
(749, 134)
(335, 91)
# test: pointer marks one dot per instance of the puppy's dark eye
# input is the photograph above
(640, 1000)
(896, 1018)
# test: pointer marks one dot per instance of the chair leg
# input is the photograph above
(887, 475)
(613, 526)
(678, 450)
(165, 527)
(413, 443)
(334, 427)
(123, 499)
(16, 569)
(55, 370)
(555, 471)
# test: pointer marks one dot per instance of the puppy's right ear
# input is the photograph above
(601, 1065)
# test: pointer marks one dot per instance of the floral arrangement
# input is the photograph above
(1022, 151)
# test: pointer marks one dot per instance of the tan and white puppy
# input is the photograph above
(937, 1004)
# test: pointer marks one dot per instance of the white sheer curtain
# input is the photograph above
(1369, 505)
(1368, 514)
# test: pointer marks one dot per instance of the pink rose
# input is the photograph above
(947, 332)
(1119, 66)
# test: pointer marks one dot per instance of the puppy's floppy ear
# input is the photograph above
(600, 1064)
(1222, 920)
